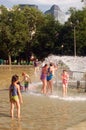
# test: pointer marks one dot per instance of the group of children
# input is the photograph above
(46, 77)
(47, 74)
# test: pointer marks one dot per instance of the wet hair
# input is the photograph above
(64, 70)
(14, 78)
(23, 73)
(51, 64)
(45, 65)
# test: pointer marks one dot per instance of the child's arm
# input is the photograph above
(22, 80)
(29, 79)
(19, 94)
(67, 76)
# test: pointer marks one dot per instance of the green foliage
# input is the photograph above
(45, 37)
(28, 30)
(78, 18)
(16, 26)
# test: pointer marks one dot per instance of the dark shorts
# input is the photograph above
(26, 84)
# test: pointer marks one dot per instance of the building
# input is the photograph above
(57, 13)
(32, 6)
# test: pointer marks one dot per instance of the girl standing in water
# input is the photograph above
(15, 96)
(50, 74)
(65, 78)
(43, 78)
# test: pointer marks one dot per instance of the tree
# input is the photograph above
(34, 19)
(12, 32)
(78, 18)
(44, 42)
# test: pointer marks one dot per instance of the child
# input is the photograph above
(36, 66)
(15, 95)
(26, 79)
(50, 74)
(43, 78)
(65, 78)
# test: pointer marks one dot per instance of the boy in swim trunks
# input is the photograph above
(15, 95)
(26, 79)
(65, 78)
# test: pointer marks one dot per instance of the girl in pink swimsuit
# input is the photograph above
(65, 78)
(43, 78)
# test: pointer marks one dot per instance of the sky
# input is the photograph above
(44, 5)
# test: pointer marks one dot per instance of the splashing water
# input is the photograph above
(69, 98)
(77, 65)
(74, 63)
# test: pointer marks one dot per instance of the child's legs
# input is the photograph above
(48, 86)
(26, 88)
(18, 108)
(66, 85)
(42, 90)
(35, 70)
(45, 85)
(64, 89)
(12, 109)
(44, 81)
(51, 84)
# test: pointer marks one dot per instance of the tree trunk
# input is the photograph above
(9, 59)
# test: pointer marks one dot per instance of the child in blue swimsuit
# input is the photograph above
(50, 78)
(49, 75)
(15, 95)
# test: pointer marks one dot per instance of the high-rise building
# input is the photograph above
(57, 13)
(84, 2)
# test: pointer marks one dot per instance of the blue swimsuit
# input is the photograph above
(50, 75)
(14, 93)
